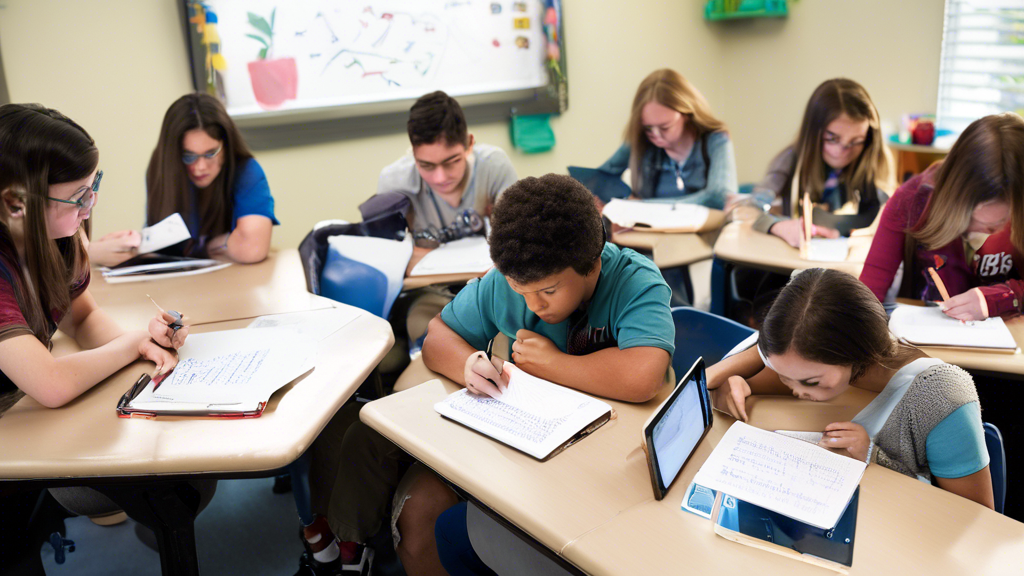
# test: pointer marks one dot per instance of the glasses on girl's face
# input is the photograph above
(86, 195)
(189, 158)
(659, 131)
(837, 143)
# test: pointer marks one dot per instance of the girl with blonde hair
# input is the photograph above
(963, 216)
(674, 146)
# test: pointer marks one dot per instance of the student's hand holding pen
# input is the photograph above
(164, 359)
(791, 230)
(484, 375)
(968, 306)
(848, 438)
(162, 330)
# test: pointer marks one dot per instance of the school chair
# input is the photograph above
(997, 464)
(700, 333)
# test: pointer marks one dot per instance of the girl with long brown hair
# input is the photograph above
(674, 146)
(963, 216)
(839, 158)
(826, 333)
(202, 169)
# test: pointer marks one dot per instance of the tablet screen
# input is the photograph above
(679, 426)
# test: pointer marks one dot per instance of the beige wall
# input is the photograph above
(115, 66)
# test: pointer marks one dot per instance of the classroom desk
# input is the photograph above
(739, 243)
(593, 504)
(274, 286)
(997, 363)
(668, 249)
(414, 282)
(85, 443)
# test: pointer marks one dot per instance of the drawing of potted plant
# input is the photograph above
(273, 80)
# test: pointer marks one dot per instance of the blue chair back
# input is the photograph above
(997, 464)
(700, 333)
(354, 283)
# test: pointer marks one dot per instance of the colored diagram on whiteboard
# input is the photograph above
(310, 54)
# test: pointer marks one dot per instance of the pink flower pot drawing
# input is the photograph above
(274, 81)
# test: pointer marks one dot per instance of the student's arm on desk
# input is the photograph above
(448, 354)
(739, 376)
(248, 243)
(976, 487)
(54, 382)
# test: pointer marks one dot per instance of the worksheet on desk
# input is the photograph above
(828, 249)
(656, 215)
(234, 367)
(533, 415)
(314, 324)
(783, 474)
(463, 256)
(929, 326)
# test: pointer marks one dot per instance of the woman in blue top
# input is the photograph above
(674, 147)
(202, 169)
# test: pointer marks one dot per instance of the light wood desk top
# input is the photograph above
(671, 249)
(86, 438)
(741, 244)
(594, 504)
(273, 286)
(980, 360)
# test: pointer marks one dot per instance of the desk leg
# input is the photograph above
(169, 510)
(718, 293)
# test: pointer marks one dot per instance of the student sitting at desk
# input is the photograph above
(839, 158)
(580, 312)
(963, 216)
(675, 147)
(825, 333)
(49, 179)
(451, 181)
(202, 169)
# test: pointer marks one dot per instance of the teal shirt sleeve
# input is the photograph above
(641, 308)
(252, 193)
(956, 446)
(471, 313)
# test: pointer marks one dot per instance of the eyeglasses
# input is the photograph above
(836, 142)
(465, 224)
(189, 158)
(88, 199)
(661, 130)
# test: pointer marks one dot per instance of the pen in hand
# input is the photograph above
(490, 347)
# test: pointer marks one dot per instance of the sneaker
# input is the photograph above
(310, 567)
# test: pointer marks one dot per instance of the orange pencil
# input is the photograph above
(805, 246)
(939, 284)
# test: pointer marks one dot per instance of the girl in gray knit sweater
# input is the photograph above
(827, 332)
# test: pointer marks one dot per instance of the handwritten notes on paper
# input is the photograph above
(783, 474)
(533, 415)
(929, 326)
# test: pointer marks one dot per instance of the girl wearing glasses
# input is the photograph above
(839, 159)
(963, 216)
(202, 169)
(49, 178)
(674, 147)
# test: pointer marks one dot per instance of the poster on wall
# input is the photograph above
(269, 55)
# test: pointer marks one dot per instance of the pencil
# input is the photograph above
(805, 246)
(938, 283)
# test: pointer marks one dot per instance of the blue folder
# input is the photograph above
(601, 184)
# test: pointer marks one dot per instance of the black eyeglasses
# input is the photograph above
(189, 158)
(88, 199)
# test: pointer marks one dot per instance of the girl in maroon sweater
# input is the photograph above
(963, 216)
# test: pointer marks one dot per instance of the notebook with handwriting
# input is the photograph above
(783, 474)
(533, 416)
(929, 326)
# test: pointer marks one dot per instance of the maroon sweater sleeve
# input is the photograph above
(886, 251)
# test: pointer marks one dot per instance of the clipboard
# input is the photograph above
(124, 409)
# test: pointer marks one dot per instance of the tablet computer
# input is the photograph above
(676, 428)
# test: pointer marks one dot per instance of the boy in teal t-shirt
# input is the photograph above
(578, 311)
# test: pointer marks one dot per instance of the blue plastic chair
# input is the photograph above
(700, 333)
(353, 283)
(997, 464)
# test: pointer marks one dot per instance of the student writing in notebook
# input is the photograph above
(839, 159)
(49, 180)
(202, 169)
(580, 312)
(674, 146)
(963, 216)
(827, 332)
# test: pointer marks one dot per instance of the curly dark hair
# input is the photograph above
(435, 116)
(542, 226)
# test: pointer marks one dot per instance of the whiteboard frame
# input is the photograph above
(284, 128)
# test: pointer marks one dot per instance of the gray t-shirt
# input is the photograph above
(490, 172)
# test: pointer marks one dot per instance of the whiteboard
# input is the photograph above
(327, 53)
